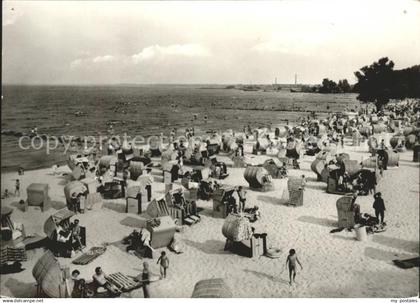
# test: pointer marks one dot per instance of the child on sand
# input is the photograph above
(164, 264)
(291, 261)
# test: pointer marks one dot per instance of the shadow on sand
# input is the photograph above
(386, 256)
(57, 205)
(135, 222)
(20, 289)
(272, 200)
(318, 221)
(211, 247)
(115, 206)
(409, 246)
(261, 275)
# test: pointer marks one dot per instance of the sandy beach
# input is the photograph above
(334, 264)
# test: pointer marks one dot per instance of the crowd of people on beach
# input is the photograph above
(329, 132)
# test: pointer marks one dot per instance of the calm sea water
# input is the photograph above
(142, 110)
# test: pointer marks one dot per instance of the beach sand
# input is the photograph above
(334, 264)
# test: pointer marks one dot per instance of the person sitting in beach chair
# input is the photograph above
(283, 170)
(73, 202)
(133, 240)
(63, 247)
(355, 207)
(232, 206)
(178, 200)
(346, 182)
(253, 214)
(204, 191)
(76, 235)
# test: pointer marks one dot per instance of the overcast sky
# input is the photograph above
(206, 42)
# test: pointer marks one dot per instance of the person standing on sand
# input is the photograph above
(145, 279)
(242, 198)
(291, 262)
(164, 264)
(379, 207)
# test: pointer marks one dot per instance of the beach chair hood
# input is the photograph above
(52, 222)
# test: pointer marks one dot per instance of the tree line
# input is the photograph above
(329, 87)
(376, 83)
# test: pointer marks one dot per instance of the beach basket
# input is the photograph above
(280, 132)
(345, 215)
(410, 141)
(371, 162)
(212, 288)
(133, 200)
(295, 188)
(158, 207)
(408, 130)
(161, 234)
(294, 183)
(74, 187)
(220, 197)
(393, 158)
(105, 162)
(257, 177)
(343, 157)
(135, 169)
(365, 131)
(62, 216)
(352, 167)
(317, 166)
(236, 228)
(12, 253)
(262, 144)
(273, 167)
(50, 277)
(397, 140)
(37, 195)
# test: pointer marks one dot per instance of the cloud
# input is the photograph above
(298, 41)
(157, 51)
(101, 59)
(95, 60)
(76, 63)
